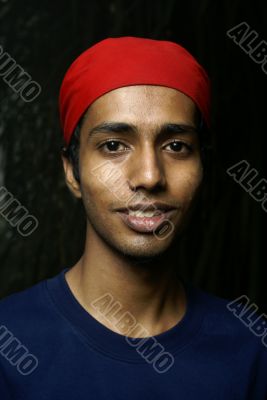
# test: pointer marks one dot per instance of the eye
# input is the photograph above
(111, 145)
(180, 147)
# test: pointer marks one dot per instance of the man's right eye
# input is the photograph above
(111, 145)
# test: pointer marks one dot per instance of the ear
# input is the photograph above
(70, 180)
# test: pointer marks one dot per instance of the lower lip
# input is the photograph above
(145, 224)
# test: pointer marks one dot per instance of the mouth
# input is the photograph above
(145, 221)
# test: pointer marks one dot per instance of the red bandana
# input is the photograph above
(116, 62)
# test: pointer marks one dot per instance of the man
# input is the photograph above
(121, 323)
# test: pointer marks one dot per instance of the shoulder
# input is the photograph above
(235, 323)
(25, 308)
(22, 298)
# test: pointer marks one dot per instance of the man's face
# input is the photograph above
(139, 164)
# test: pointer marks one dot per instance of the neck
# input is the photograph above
(148, 289)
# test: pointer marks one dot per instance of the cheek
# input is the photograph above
(91, 182)
(186, 183)
(102, 182)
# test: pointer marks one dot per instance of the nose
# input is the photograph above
(146, 170)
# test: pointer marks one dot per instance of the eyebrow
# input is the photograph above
(122, 127)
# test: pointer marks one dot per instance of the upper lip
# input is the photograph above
(147, 207)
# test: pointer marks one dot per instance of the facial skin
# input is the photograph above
(145, 161)
(138, 269)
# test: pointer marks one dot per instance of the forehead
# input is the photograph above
(146, 103)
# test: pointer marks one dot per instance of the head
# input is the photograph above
(149, 135)
(135, 143)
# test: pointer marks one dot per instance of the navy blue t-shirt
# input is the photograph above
(51, 348)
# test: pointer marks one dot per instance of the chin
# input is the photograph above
(142, 249)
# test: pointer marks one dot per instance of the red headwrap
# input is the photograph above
(124, 61)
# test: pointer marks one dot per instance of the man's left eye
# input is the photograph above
(179, 146)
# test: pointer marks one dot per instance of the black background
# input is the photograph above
(224, 249)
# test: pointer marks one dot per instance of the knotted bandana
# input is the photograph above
(124, 61)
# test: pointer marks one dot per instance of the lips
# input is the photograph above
(143, 223)
(147, 207)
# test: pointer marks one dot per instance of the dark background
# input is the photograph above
(223, 252)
